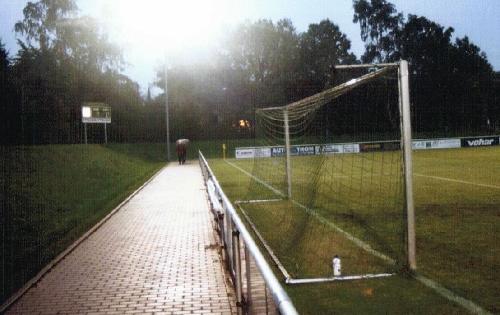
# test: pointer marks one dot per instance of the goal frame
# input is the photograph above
(406, 141)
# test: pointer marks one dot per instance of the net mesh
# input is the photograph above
(345, 193)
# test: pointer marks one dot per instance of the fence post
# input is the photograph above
(237, 271)
(249, 277)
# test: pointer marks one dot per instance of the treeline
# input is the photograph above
(65, 60)
(454, 90)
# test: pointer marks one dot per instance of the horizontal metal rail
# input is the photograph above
(368, 65)
(281, 299)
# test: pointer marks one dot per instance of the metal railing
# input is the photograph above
(258, 291)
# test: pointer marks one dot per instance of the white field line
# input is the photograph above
(457, 181)
(268, 248)
(260, 181)
(237, 202)
(467, 304)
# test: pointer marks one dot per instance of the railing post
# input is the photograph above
(228, 244)
(237, 271)
(249, 277)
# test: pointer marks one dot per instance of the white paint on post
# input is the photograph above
(404, 99)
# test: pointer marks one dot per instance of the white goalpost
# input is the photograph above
(349, 185)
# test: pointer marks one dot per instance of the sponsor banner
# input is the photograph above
(245, 153)
(480, 141)
(330, 148)
(351, 148)
(295, 150)
(302, 150)
(337, 148)
(436, 144)
(262, 152)
(278, 151)
(250, 153)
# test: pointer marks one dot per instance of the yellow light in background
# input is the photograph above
(243, 123)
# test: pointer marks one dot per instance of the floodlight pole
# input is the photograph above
(287, 151)
(166, 110)
(404, 103)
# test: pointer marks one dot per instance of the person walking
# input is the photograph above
(181, 149)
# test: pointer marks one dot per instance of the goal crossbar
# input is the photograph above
(319, 99)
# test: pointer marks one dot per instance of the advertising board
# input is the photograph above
(278, 151)
(480, 141)
(315, 149)
(302, 150)
(245, 153)
(255, 152)
(262, 152)
(330, 148)
(436, 144)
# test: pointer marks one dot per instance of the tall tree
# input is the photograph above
(265, 54)
(451, 81)
(322, 47)
(8, 98)
(379, 22)
(43, 20)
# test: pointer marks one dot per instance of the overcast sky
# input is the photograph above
(478, 19)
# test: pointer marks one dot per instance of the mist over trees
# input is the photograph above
(66, 59)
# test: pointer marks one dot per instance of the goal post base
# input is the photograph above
(337, 278)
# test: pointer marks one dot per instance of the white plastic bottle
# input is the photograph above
(337, 266)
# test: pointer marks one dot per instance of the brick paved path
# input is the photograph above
(152, 256)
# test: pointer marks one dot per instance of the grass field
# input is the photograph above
(457, 194)
(50, 195)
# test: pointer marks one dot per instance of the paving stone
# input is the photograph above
(154, 255)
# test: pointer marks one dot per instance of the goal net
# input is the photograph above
(327, 180)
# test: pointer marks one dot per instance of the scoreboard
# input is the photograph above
(96, 113)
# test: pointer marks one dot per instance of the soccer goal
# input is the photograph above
(330, 195)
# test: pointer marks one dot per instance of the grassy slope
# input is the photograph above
(53, 194)
(449, 233)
